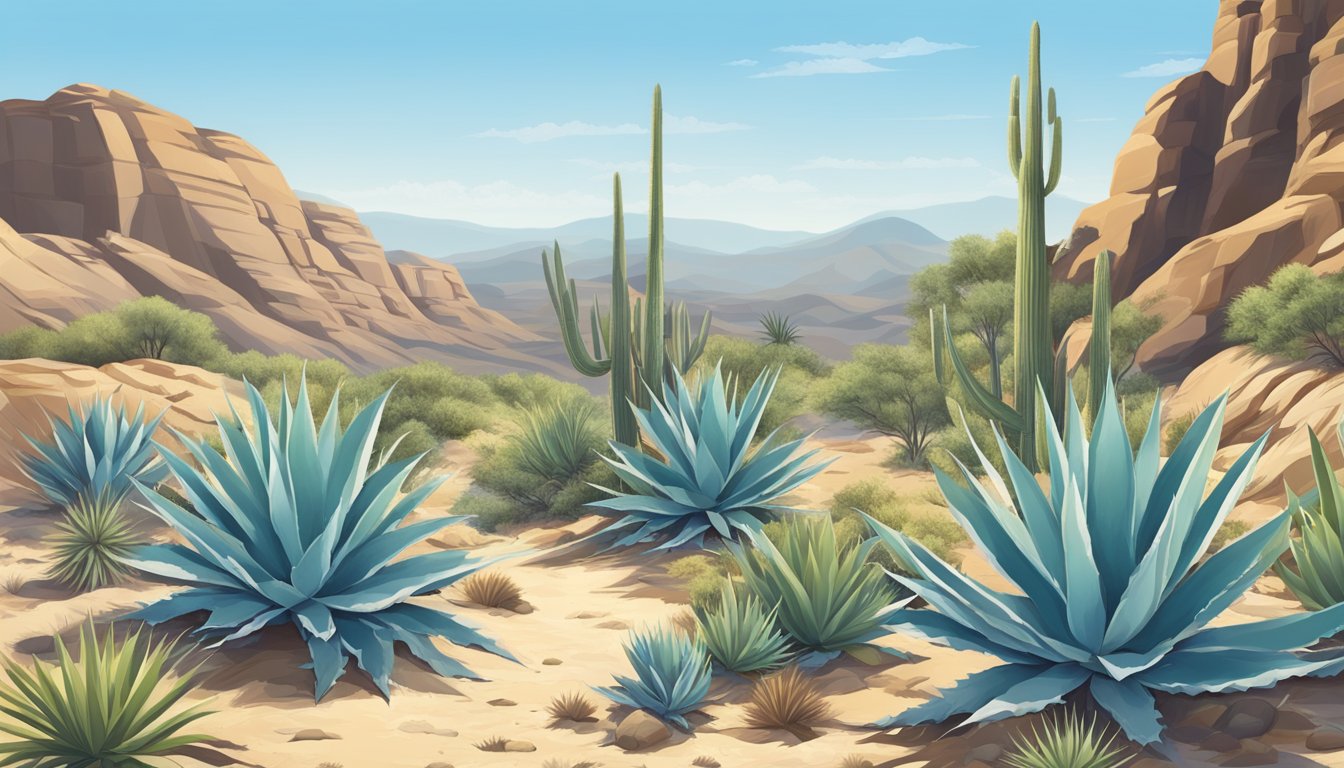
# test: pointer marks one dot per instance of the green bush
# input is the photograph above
(1175, 432)
(890, 390)
(30, 341)
(936, 531)
(151, 327)
(1298, 314)
(703, 577)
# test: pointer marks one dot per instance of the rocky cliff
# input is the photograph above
(104, 197)
(1234, 171)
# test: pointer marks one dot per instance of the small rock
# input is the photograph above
(1327, 738)
(552, 662)
(502, 703)
(613, 624)
(1205, 716)
(1190, 734)
(985, 753)
(519, 746)
(520, 607)
(640, 730)
(1252, 752)
(1292, 720)
(587, 615)
(1220, 742)
(1247, 718)
(439, 764)
(313, 734)
(422, 726)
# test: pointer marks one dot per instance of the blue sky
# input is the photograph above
(783, 115)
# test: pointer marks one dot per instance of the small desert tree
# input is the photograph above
(156, 328)
(1298, 314)
(987, 311)
(889, 390)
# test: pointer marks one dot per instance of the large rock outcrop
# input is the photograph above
(117, 198)
(1234, 171)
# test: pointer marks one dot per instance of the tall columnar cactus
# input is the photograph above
(633, 347)
(1099, 347)
(1038, 364)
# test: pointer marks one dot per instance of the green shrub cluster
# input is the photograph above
(745, 360)
(150, 327)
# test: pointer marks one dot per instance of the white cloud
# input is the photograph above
(1167, 68)
(742, 63)
(811, 67)
(915, 46)
(905, 163)
(550, 131)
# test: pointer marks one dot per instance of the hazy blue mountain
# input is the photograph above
(989, 216)
(318, 198)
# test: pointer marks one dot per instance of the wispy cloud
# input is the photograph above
(822, 67)
(551, 131)
(903, 164)
(741, 63)
(1166, 68)
(915, 46)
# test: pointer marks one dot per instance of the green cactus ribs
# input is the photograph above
(638, 347)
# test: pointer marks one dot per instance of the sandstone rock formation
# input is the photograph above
(31, 389)
(1234, 171)
(118, 198)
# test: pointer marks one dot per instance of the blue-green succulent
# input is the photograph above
(95, 454)
(672, 675)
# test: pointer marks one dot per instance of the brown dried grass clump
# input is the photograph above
(571, 706)
(491, 589)
(787, 700)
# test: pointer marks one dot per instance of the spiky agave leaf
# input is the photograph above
(292, 525)
(828, 597)
(1318, 551)
(111, 706)
(91, 544)
(707, 477)
(1113, 592)
(97, 451)
(740, 633)
(672, 675)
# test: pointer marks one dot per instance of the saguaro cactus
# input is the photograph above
(630, 346)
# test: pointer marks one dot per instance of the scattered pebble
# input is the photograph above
(1247, 718)
(613, 624)
(502, 703)
(587, 615)
(519, 746)
(551, 662)
(313, 734)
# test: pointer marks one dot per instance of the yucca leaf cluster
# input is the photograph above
(1113, 592)
(1318, 551)
(672, 675)
(292, 523)
(740, 632)
(707, 476)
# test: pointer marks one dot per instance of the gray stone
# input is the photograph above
(1327, 738)
(1247, 718)
(519, 746)
(985, 753)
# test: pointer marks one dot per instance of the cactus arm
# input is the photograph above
(619, 343)
(653, 289)
(565, 302)
(980, 398)
(1015, 128)
(1099, 346)
(1056, 145)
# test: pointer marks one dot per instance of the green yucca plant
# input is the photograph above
(91, 545)
(292, 525)
(779, 329)
(96, 453)
(707, 476)
(828, 597)
(740, 633)
(1112, 590)
(557, 442)
(1067, 741)
(672, 675)
(1318, 552)
(110, 707)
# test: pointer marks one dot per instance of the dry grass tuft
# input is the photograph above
(491, 589)
(571, 706)
(492, 744)
(705, 761)
(787, 700)
(856, 761)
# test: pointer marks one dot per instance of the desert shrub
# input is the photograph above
(740, 632)
(491, 589)
(708, 478)
(159, 329)
(1074, 554)
(95, 454)
(112, 705)
(411, 438)
(311, 542)
(745, 361)
(91, 544)
(1298, 314)
(787, 700)
(828, 597)
(417, 388)
(1137, 412)
(703, 576)
(1138, 384)
(890, 390)
(672, 675)
(95, 340)
(29, 341)
(1175, 432)
(937, 531)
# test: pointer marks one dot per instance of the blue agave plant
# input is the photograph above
(708, 476)
(672, 675)
(293, 526)
(95, 454)
(1114, 593)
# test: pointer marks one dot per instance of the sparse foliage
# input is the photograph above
(788, 700)
(572, 706)
(892, 391)
(491, 589)
(1298, 314)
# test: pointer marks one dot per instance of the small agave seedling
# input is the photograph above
(95, 454)
(1114, 594)
(1318, 553)
(709, 477)
(672, 675)
(292, 526)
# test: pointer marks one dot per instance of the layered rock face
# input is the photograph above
(1234, 171)
(117, 198)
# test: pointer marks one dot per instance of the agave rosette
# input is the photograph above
(672, 675)
(95, 454)
(1113, 590)
(1318, 551)
(707, 476)
(292, 525)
